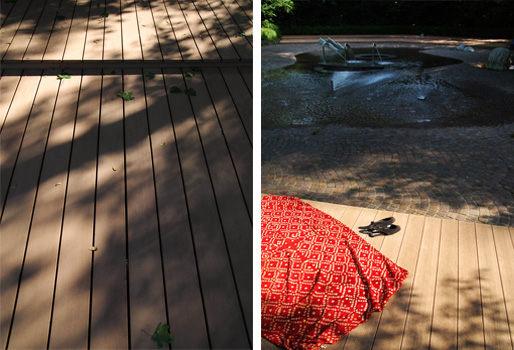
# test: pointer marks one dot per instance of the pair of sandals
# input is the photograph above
(381, 227)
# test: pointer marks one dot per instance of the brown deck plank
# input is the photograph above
(185, 306)
(24, 33)
(247, 74)
(222, 309)
(470, 322)
(17, 214)
(505, 254)
(109, 306)
(13, 129)
(418, 324)
(363, 336)
(149, 41)
(393, 317)
(130, 32)
(74, 50)
(242, 98)
(238, 30)
(146, 289)
(8, 86)
(246, 6)
(60, 31)
(94, 45)
(12, 23)
(216, 31)
(166, 35)
(185, 40)
(233, 130)
(203, 40)
(33, 310)
(112, 35)
(235, 219)
(496, 326)
(444, 329)
(4, 11)
(36, 47)
(70, 319)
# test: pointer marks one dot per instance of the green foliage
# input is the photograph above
(190, 92)
(175, 89)
(162, 335)
(243, 34)
(63, 76)
(190, 74)
(126, 96)
(268, 34)
(271, 8)
(105, 14)
(150, 75)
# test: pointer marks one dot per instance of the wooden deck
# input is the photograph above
(161, 185)
(459, 293)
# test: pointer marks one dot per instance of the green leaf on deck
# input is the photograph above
(242, 34)
(63, 76)
(105, 14)
(150, 75)
(175, 89)
(190, 92)
(161, 335)
(126, 96)
(190, 74)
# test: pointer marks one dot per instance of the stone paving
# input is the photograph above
(463, 173)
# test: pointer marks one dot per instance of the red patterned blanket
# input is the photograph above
(319, 280)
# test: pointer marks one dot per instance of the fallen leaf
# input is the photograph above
(150, 75)
(114, 169)
(162, 335)
(63, 76)
(58, 184)
(190, 92)
(126, 96)
(105, 14)
(162, 143)
(175, 89)
(93, 248)
(190, 74)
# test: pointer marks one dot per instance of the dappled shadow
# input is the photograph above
(138, 180)
(460, 173)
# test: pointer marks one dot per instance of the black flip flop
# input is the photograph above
(380, 223)
(386, 230)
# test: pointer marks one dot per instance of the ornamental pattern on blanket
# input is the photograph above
(319, 280)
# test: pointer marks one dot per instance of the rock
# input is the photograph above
(461, 47)
(499, 59)
(469, 49)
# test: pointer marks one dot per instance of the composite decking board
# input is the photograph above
(149, 41)
(363, 337)
(146, 289)
(38, 43)
(185, 306)
(444, 325)
(233, 130)
(59, 35)
(185, 40)
(12, 23)
(231, 204)
(4, 11)
(247, 74)
(495, 320)
(203, 40)
(470, 322)
(33, 310)
(216, 31)
(393, 322)
(113, 50)
(70, 319)
(25, 31)
(8, 86)
(94, 45)
(237, 26)
(223, 313)
(17, 214)
(130, 32)
(13, 130)
(165, 32)
(74, 50)
(418, 325)
(242, 98)
(109, 307)
(246, 6)
(505, 254)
